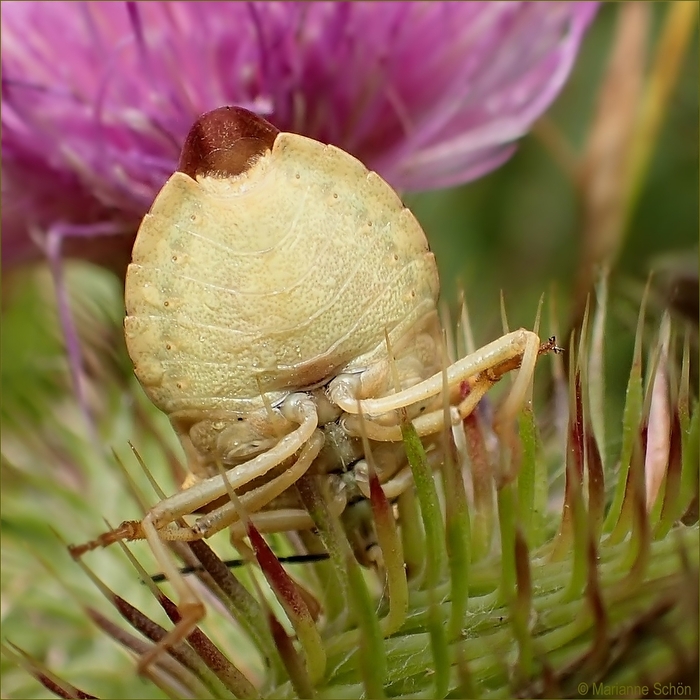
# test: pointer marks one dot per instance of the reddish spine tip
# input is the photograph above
(225, 142)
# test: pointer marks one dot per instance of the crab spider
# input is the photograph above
(277, 290)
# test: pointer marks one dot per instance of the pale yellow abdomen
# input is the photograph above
(272, 280)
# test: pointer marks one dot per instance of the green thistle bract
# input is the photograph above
(506, 589)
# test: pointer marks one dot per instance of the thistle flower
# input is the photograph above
(98, 97)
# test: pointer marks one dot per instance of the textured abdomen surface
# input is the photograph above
(273, 280)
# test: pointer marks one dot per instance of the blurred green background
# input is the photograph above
(517, 230)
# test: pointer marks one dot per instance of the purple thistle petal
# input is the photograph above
(98, 97)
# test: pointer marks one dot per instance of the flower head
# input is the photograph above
(98, 97)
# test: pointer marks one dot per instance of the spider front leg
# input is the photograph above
(518, 349)
(256, 499)
(160, 523)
